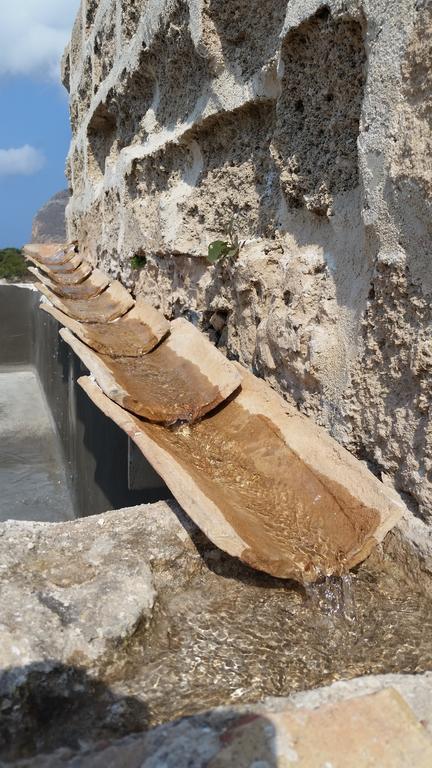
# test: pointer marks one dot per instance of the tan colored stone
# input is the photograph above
(61, 268)
(132, 335)
(360, 735)
(91, 286)
(377, 731)
(266, 486)
(184, 378)
(50, 253)
(64, 278)
(109, 305)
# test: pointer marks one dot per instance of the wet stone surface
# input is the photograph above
(33, 479)
(235, 636)
(190, 628)
(109, 305)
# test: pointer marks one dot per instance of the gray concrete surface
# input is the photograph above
(92, 449)
(95, 449)
(33, 484)
(17, 305)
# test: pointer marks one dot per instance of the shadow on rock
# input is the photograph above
(48, 705)
(62, 715)
(224, 565)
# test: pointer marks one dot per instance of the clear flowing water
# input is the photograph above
(229, 639)
(32, 476)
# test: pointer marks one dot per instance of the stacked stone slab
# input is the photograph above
(262, 482)
(308, 124)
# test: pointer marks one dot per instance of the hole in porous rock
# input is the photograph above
(101, 134)
(236, 166)
(90, 12)
(132, 11)
(104, 50)
(287, 297)
(318, 113)
(134, 95)
(248, 31)
(84, 88)
(183, 73)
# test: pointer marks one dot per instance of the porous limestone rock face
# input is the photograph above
(309, 125)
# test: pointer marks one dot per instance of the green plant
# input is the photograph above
(138, 261)
(220, 249)
(12, 264)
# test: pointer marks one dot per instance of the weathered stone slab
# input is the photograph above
(76, 588)
(62, 268)
(181, 380)
(109, 305)
(377, 730)
(91, 286)
(50, 253)
(266, 485)
(132, 335)
(65, 278)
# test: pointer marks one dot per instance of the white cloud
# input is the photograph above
(23, 161)
(33, 35)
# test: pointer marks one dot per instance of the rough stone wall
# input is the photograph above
(309, 124)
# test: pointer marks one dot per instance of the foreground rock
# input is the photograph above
(115, 623)
(49, 224)
(365, 731)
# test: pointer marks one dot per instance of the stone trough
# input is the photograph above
(263, 483)
(133, 335)
(91, 286)
(181, 380)
(114, 302)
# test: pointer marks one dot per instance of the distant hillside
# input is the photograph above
(49, 223)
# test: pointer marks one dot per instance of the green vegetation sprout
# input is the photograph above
(138, 262)
(220, 249)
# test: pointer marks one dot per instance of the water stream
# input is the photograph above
(231, 637)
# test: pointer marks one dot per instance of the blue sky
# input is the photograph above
(34, 125)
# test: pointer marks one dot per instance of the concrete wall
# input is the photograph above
(17, 306)
(95, 450)
(309, 123)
